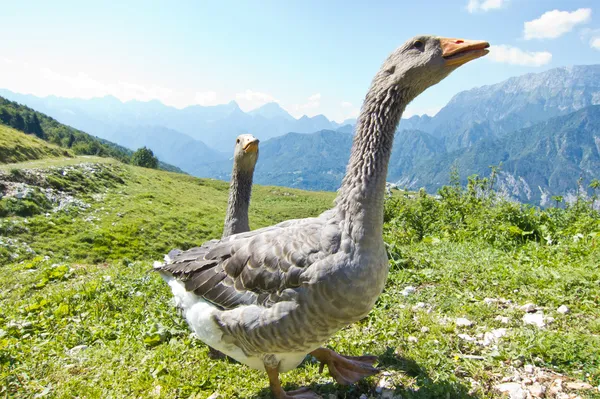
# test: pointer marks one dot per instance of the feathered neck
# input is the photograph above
(240, 189)
(360, 198)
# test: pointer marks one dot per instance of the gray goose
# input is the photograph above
(245, 156)
(269, 297)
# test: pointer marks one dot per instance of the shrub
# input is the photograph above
(144, 157)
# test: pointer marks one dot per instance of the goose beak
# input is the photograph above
(457, 52)
(251, 146)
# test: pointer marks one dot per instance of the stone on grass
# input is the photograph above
(466, 337)
(528, 368)
(408, 290)
(503, 319)
(537, 390)
(74, 351)
(528, 308)
(412, 339)
(536, 319)
(492, 336)
(563, 309)
(424, 329)
(463, 322)
(513, 389)
(578, 386)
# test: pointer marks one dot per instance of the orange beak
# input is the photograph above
(458, 51)
(251, 146)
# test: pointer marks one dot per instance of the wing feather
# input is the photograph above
(260, 267)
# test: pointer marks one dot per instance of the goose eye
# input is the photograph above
(238, 141)
(418, 44)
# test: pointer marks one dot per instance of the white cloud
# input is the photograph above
(555, 23)
(309, 108)
(346, 104)
(485, 5)
(249, 99)
(205, 98)
(595, 43)
(515, 56)
(24, 77)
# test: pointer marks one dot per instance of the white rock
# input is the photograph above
(503, 319)
(536, 319)
(563, 309)
(528, 368)
(466, 337)
(74, 351)
(424, 329)
(215, 395)
(363, 396)
(384, 383)
(556, 387)
(412, 339)
(528, 308)
(489, 301)
(513, 389)
(579, 386)
(419, 305)
(537, 390)
(463, 322)
(493, 336)
(408, 290)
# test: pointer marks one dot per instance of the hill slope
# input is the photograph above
(18, 147)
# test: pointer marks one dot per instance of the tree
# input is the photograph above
(595, 185)
(144, 157)
(558, 199)
(17, 122)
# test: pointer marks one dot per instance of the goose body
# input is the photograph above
(270, 296)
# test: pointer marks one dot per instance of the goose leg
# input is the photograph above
(345, 370)
(279, 393)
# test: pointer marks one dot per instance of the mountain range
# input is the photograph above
(543, 128)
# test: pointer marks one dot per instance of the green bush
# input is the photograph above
(478, 213)
(144, 157)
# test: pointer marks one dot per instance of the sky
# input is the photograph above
(310, 56)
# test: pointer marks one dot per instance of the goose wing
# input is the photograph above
(254, 268)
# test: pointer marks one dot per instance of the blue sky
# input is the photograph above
(312, 57)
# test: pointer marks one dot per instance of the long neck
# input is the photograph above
(240, 188)
(360, 198)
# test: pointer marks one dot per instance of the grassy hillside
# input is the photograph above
(18, 147)
(81, 316)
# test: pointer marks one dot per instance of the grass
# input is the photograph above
(81, 316)
(16, 146)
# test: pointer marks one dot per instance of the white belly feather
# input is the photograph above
(198, 314)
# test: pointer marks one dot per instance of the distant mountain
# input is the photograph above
(493, 111)
(168, 145)
(216, 126)
(537, 162)
(315, 161)
(271, 111)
